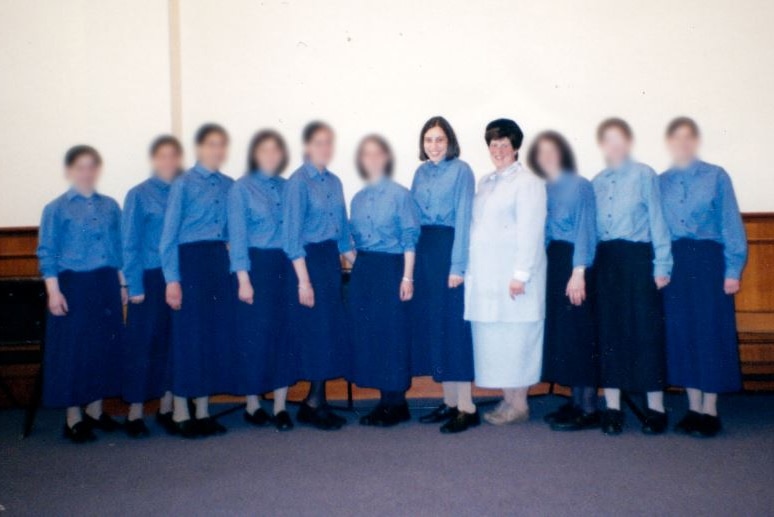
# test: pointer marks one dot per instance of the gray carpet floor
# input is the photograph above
(410, 470)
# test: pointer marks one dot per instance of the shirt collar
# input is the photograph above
(509, 171)
(692, 168)
(313, 171)
(72, 194)
(259, 175)
(623, 167)
(158, 182)
(440, 166)
(379, 186)
(203, 171)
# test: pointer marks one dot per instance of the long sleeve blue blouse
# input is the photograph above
(572, 216)
(384, 218)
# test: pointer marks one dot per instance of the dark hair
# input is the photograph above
(162, 141)
(208, 129)
(566, 156)
(614, 123)
(505, 128)
(452, 150)
(679, 122)
(314, 127)
(259, 138)
(77, 151)
(381, 142)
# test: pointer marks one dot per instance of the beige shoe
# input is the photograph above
(504, 414)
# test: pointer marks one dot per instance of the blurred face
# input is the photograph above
(319, 150)
(683, 145)
(549, 158)
(167, 162)
(270, 156)
(83, 174)
(435, 143)
(212, 152)
(615, 145)
(374, 160)
(502, 153)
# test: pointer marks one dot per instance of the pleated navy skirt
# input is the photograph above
(441, 341)
(319, 334)
(203, 359)
(702, 346)
(379, 323)
(265, 359)
(630, 318)
(570, 354)
(82, 356)
(147, 372)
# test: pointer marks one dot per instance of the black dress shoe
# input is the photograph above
(384, 415)
(689, 423)
(336, 418)
(564, 412)
(260, 418)
(136, 428)
(166, 422)
(440, 414)
(612, 422)
(462, 422)
(208, 426)
(709, 427)
(319, 418)
(655, 422)
(282, 421)
(580, 421)
(103, 423)
(186, 428)
(79, 433)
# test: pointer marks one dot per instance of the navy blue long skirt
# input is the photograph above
(265, 358)
(570, 355)
(702, 347)
(147, 340)
(441, 340)
(203, 359)
(379, 323)
(630, 318)
(82, 356)
(318, 334)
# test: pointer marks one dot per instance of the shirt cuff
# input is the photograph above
(457, 270)
(662, 270)
(733, 273)
(521, 275)
(171, 276)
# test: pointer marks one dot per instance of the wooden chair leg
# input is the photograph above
(32, 408)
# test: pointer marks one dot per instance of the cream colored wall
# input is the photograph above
(381, 66)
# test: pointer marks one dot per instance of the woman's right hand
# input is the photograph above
(174, 295)
(57, 304)
(576, 287)
(137, 299)
(306, 295)
(246, 292)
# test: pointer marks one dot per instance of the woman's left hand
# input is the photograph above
(455, 281)
(662, 282)
(576, 287)
(516, 288)
(731, 286)
(406, 290)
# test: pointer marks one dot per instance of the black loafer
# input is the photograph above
(384, 415)
(689, 423)
(166, 422)
(462, 422)
(440, 414)
(260, 418)
(209, 427)
(564, 412)
(655, 422)
(319, 418)
(136, 428)
(709, 427)
(578, 422)
(612, 422)
(103, 423)
(79, 433)
(186, 428)
(282, 421)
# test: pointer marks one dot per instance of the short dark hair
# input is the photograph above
(381, 142)
(312, 128)
(77, 151)
(614, 123)
(452, 150)
(505, 128)
(259, 138)
(680, 122)
(208, 129)
(162, 141)
(566, 156)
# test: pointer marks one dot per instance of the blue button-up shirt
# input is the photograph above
(196, 211)
(629, 208)
(143, 219)
(79, 233)
(314, 211)
(254, 216)
(384, 218)
(444, 194)
(699, 203)
(572, 216)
